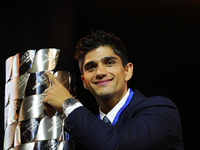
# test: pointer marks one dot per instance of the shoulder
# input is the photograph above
(154, 106)
(159, 101)
(157, 108)
(140, 100)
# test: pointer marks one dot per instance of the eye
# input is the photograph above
(110, 62)
(90, 68)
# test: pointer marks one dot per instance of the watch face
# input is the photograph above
(70, 101)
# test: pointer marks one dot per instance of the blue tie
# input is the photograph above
(106, 120)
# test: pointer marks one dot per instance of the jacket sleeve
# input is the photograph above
(152, 124)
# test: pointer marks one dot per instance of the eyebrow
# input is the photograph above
(108, 58)
(88, 64)
(103, 59)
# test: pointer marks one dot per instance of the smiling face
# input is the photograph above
(103, 74)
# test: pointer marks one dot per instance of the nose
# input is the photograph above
(101, 72)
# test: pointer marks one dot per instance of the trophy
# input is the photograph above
(27, 125)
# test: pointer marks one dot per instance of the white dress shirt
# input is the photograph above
(113, 112)
(110, 115)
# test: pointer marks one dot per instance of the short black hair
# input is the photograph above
(97, 39)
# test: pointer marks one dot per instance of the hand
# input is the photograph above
(56, 94)
(49, 110)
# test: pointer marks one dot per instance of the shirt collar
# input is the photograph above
(112, 113)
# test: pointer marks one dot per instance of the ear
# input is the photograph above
(84, 84)
(128, 71)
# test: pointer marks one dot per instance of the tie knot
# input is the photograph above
(106, 120)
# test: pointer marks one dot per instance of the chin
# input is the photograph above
(103, 92)
(104, 95)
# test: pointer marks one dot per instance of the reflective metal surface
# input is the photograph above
(45, 59)
(67, 80)
(9, 136)
(12, 111)
(63, 77)
(62, 145)
(17, 86)
(72, 87)
(9, 66)
(5, 117)
(51, 144)
(47, 145)
(6, 94)
(36, 84)
(32, 107)
(49, 128)
(22, 62)
(26, 131)
(64, 135)
(27, 146)
(28, 124)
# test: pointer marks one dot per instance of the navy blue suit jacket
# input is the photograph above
(146, 124)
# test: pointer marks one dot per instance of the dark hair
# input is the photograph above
(97, 39)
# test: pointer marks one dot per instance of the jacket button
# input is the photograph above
(69, 129)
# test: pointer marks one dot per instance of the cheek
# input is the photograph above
(121, 77)
(85, 85)
(86, 81)
(120, 73)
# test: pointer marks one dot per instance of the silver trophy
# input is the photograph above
(27, 124)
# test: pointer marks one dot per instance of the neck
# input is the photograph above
(106, 104)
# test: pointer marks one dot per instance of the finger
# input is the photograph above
(51, 77)
(47, 90)
(47, 106)
(48, 83)
(50, 111)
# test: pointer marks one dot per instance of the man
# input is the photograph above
(134, 122)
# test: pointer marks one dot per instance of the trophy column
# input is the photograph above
(27, 123)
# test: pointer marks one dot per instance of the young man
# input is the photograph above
(132, 121)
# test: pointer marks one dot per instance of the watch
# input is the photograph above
(69, 102)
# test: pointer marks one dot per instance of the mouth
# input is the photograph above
(103, 82)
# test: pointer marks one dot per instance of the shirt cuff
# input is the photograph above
(69, 109)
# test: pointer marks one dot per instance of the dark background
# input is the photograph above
(161, 37)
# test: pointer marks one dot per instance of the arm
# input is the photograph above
(56, 94)
(153, 124)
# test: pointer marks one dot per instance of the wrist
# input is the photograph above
(68, 102)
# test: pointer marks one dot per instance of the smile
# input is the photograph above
(103, 81)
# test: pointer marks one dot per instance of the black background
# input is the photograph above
(161, 37)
